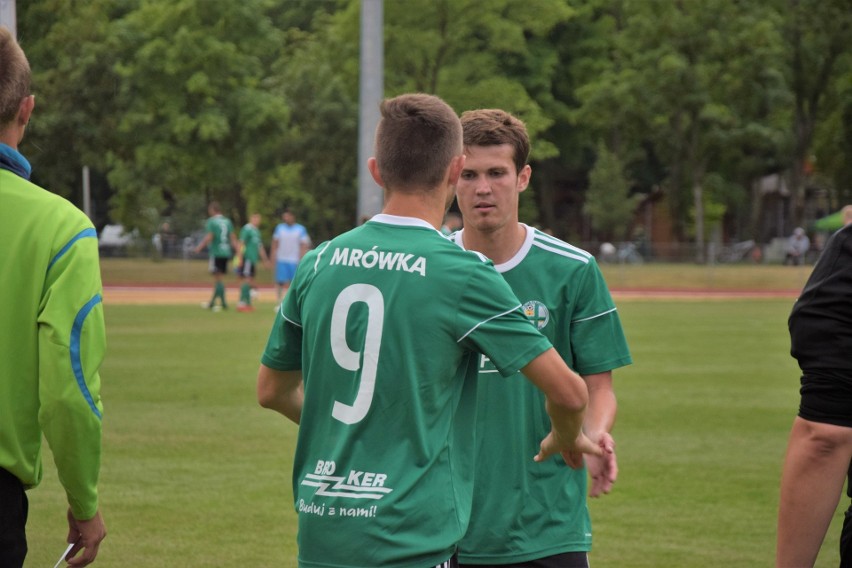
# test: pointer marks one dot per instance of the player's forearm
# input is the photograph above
(287, 403)
(566, 421)
(565, 391)
(204, 242)
(281, 391)
(600, 415)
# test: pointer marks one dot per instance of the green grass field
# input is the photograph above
(196, 474)
(125, 271)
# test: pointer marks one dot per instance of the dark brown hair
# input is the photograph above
(417, 137)
(494, 127)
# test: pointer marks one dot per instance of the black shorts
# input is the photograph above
(564, 560)
(13, 521)
(451, 563)
(246, 269)
(218, 265)
(826, 399)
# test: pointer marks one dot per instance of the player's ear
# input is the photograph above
(455, 169)
(25, 110)
(524, 178)
(373, 166)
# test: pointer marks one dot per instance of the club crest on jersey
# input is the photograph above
(537, 313)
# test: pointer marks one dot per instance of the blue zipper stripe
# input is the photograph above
(81, 235)
(76, 363)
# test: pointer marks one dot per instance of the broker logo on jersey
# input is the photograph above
(357, 484)
(537, 313)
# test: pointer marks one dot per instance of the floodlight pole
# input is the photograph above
(8, 16)
(371, 93)
(87, 193)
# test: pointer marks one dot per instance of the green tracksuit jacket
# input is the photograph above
(52, 340)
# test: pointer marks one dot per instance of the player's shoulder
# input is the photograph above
(558, 249)
(47, 204)
(57, 221)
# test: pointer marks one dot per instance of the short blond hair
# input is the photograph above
(15, 77)
(847, 215)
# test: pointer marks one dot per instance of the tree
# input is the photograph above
(684, 69)
(71, 50)
(319, 77)
(255, 103)
(819, 32)
(608, 200)
(199, 108)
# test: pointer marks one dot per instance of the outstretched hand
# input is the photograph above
(603, 469)
(571, 452)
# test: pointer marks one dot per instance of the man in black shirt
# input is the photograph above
(819, 450)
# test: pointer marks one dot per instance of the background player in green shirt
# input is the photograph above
(540, 518)
(223, 245)
(374, 353)
(52, 337)
(251, 251)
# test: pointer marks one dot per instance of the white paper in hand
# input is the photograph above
(62, 558)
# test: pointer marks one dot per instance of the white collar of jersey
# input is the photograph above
(404, 221)
(519, 256)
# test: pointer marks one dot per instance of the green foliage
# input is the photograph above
(318, 79)
(71, 48)
(201, 114)
(255, 103)
(608, 200)
(698, 95)
(478, 54)
(713, 205)
(528, 207)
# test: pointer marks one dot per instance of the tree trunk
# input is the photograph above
(698, 203)
(803, 135)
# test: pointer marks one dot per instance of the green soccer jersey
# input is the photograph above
(250, 237)
(52, 340)
(524, 510)
(221, 228)
(386, 323)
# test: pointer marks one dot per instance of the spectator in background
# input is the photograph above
(52, 337)
(167, 239)
(290, 242)
(797, 247)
